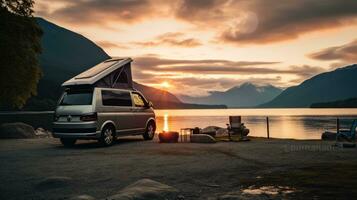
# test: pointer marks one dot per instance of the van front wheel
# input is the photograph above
(150, 131)
(68, 142)
(107, 138)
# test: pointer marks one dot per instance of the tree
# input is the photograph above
(20, 47)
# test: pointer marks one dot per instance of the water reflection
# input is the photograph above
(286, 126)
(166, 123)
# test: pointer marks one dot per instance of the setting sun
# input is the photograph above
(165, 84)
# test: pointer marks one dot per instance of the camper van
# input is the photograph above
(101, 104)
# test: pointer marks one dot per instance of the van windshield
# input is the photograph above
(77, 98)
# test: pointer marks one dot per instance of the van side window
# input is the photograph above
(138, 100)
(116, 98)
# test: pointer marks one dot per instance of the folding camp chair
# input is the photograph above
(235, 126)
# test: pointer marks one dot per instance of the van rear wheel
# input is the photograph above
(68, 142)
(108, 136)
(150, 131)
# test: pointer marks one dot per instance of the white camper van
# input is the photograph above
(102, 104)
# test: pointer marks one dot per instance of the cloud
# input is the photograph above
(285, 20)
(219, 66)
(154, 62)
(107, 44)
(171, 39)
(200, 11)
(234, 21)
(100, 11)
(345, 53)
(216, 74)
(267, 21)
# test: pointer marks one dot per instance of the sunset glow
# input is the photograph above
(165, 84)
(205, 46)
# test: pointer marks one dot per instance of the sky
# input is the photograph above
(191, 47)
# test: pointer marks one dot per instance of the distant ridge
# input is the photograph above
(326, 87)
(245, 95)
(347, 103)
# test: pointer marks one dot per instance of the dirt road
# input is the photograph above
(199, 171)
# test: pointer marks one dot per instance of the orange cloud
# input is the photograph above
(344, 53)
(107, 44)
(171, 39)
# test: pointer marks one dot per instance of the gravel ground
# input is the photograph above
(198, 171)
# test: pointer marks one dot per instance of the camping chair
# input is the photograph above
(348, 134)
(234, 126)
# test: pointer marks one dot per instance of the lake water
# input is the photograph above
(284, 123)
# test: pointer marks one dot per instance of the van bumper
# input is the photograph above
(82, 130)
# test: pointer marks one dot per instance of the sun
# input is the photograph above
(165, 84)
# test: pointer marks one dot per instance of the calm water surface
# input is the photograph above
(284, 123)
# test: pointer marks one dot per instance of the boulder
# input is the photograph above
(202, 138)
(54, 182)
(16, 130)
(146, 189)
(42, 133)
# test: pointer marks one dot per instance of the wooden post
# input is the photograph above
(338, 125)
(268, 134)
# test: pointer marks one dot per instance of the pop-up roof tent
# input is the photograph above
(112, 73)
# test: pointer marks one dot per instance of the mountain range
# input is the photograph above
(66, 54)
(330, 86)
(245, 95)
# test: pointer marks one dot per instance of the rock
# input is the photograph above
(202, 138)
(42, 133)
(54, 182)
(145, 189)
(328, 136)
(82, 197)
(16, 130)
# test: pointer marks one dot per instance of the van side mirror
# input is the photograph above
(150, 104)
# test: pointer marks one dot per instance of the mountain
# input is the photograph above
(245, 95)
(329, 86)
(164, 99)
(66, 54)
(347, 103)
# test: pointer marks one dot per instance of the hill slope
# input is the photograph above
(245, 95)
(330, 86)
(66, 53)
